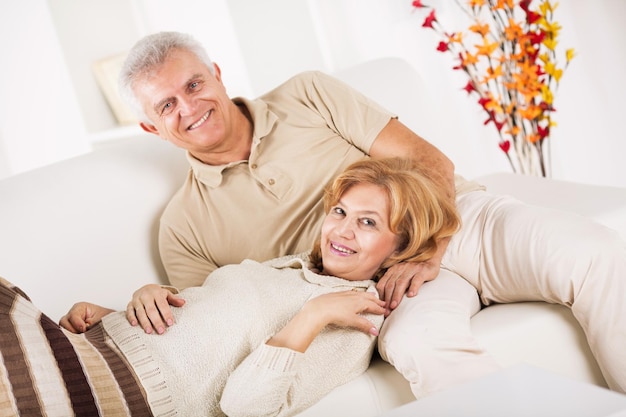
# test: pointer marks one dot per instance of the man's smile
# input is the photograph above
(200, 122)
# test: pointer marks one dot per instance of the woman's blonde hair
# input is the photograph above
(419, 211)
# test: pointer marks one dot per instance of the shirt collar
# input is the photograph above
(263, 121)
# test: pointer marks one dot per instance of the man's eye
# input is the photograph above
(193, 84)
(166, 107)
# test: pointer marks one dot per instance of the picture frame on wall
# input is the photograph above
(106, 72)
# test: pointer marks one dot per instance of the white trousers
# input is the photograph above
(509, 252)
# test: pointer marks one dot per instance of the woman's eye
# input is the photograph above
(338, 210)
(368, 222)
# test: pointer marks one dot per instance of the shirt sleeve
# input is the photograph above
(184, 265)
(275, 381)
(356, 117)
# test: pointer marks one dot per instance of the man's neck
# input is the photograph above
(238, 147)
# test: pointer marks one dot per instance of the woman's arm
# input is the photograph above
(342, 309)
(279, 379)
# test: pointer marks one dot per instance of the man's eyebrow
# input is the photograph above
(157, 107)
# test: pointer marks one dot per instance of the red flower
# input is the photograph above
(469, 87)
(544, 132)
(536, 37)
(525, 5)
(505, 146)
(428, 22)
(442, 47)
(418, 3)
(483, 101)
(532, 17)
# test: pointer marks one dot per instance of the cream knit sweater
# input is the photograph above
(219, 341)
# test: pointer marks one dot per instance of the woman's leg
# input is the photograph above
(428, 337)
(514, 252)
(46, 371)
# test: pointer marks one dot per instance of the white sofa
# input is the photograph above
(85, 229)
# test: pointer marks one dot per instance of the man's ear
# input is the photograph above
(149, 128)
(217, 72)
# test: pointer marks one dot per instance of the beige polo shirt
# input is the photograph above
(306, 132)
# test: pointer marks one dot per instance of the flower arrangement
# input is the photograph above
(508, 53)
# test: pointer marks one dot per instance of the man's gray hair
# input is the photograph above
(149, 53)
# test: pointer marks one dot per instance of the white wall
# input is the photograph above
(258, 44)
(40, 121)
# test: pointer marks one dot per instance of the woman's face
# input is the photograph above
(356, 238)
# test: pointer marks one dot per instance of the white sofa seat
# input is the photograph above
(85, 229)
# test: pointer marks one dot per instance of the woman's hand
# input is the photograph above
(342, 309)
(150, 308)
(82, 316)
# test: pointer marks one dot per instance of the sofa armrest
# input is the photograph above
(604, 204)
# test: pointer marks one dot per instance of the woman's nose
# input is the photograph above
(346, 229)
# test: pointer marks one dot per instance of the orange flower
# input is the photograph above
(483, 30)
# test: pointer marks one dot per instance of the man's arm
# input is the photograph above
(398, 140)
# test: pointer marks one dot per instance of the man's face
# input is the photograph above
(186, 104)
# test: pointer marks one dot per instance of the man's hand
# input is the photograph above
(405, 277)
(150, 308)
(82, 316)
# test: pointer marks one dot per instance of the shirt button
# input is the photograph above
(253, 166)
(271, 181)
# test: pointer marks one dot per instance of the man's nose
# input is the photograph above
(187, 106)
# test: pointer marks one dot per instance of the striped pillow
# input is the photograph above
(46, 370)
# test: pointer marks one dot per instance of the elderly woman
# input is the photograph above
(256, 339)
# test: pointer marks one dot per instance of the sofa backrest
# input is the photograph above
(85, 229)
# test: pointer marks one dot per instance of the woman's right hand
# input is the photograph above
(82, 316)
(150, 308)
